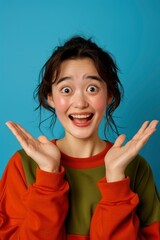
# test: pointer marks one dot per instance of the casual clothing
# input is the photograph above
(77, 203)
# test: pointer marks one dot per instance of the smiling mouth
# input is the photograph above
(81, 119)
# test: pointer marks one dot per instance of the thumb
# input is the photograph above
(120, 140)
(43, 139)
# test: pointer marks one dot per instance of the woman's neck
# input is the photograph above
(81, 148)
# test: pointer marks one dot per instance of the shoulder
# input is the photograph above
(15, 163)
(142, 183)
(20, 166)
(139, 172)
(138, 164)
(13, 176)
(29, 167)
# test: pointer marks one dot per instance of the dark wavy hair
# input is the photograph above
(78, 47)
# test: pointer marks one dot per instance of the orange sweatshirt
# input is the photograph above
(34, 203)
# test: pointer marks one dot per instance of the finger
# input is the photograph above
(19, 134)
(27, 134)
(145, 137)
(153, 124)
(148, 131)
(119, 141)
(14, 129)
(145, 129)
(141, 130)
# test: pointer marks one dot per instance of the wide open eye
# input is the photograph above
(92, 88)
(66, 90)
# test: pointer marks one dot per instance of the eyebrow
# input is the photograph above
(93, 77)
(62, 79)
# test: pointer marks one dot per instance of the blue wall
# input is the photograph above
(129, 29)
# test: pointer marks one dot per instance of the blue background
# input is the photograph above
(129, 29)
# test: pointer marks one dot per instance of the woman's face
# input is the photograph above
(79, 97)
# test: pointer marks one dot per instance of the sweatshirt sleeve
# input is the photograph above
(114, 216)
(148, 209)
(36, 212)
(129, 209)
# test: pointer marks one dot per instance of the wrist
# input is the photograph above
(114, 177)
(51, 169)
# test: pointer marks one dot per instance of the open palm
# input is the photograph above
(44, 152)
(118, 157)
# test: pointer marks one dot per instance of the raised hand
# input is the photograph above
(45, 153)
(118, 157)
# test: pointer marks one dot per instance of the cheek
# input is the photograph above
(60, 105)
(100, 104)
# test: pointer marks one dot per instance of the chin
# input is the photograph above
(84, 136)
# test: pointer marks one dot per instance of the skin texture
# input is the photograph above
(79, 92)
(85, 95)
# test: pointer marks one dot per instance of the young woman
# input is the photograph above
(79, 187)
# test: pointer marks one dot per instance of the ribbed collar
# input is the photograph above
(89, 162)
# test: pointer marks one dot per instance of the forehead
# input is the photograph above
(78, 66)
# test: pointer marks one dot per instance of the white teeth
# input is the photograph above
(80, 116)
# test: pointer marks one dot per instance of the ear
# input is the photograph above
(109, 100)
(50, 100)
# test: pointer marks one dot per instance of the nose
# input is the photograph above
(80, 100)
